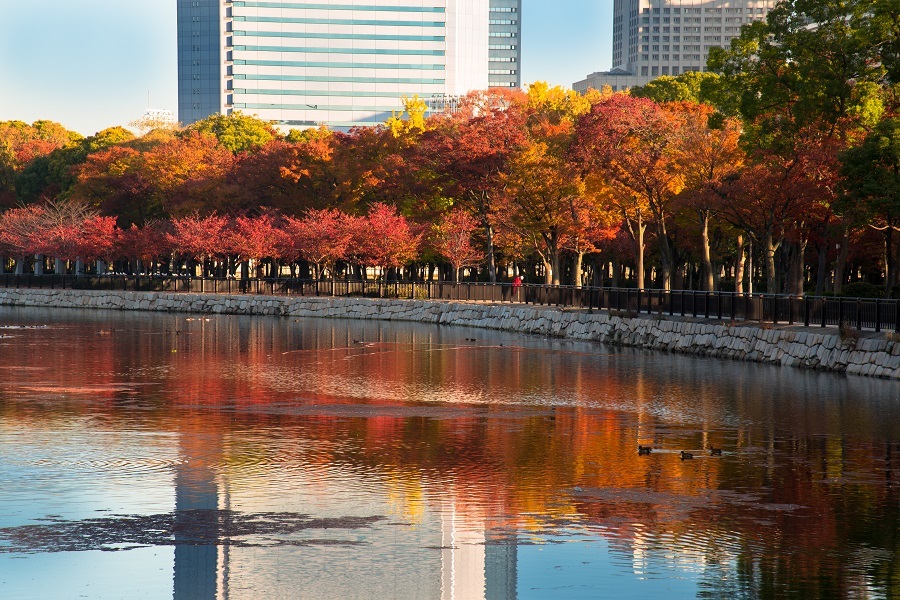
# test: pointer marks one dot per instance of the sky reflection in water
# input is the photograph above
(158, 456)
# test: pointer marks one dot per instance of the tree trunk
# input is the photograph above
(750, 272)
(771, 249)
(739, 266)
(548, 272)
(639, 241)
(708, 283)
(576, 272)
(491, 264)
(889, 275)
(667, 259)
(555, 267)
(822, 268)
(796, 254)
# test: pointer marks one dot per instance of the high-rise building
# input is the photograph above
(505, 44)
(339, 62)
(669, 37)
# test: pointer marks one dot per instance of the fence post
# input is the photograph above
(840, 311)
(790, 310)
(858, 314)
(806, 311)
(878, 315)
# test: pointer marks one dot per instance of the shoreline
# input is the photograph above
(863, 353)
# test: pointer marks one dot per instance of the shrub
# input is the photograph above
(861, 289)
(848, 333)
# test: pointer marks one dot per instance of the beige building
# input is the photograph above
(669, 37)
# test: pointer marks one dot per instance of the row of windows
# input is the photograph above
(334, 93)
(320, 6)
(337, 65)
(698, 10)
(333, 107)
(656, 71)
(342, 36)
(504, 9)
(357, 22)
(501, 47)
(338, 79)
(501, 22)
(686, 47)
(503, 34)
(310, 50)
(673, 57)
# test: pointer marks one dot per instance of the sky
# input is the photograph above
(90, 64)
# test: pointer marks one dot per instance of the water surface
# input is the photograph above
(170, 456)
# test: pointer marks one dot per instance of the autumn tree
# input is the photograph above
(707, 155)
(384, 238)
(21, 232)
(470, 151)
(188, 174)
(199, 238)
(451, 238)
(320, 237)
(255, 238)
(146, 244)
(630, 143)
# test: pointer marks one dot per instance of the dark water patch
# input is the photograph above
(179, 528)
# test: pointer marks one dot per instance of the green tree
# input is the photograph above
(871, 190)
(786, 75)
(237, 132)
(691, 86)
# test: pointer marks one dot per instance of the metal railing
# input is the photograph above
(861, 313)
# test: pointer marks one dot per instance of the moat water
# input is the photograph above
(177, 456)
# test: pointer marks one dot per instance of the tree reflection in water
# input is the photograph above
(490, 444)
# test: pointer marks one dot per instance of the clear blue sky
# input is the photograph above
(89, 64)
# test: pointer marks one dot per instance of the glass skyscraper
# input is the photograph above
(339, 62)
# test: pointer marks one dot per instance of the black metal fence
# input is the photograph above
(861, 313)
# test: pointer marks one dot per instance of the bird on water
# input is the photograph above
(644, 450)
(686, 455)
(715, 451)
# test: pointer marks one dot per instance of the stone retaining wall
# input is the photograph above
(871, 354)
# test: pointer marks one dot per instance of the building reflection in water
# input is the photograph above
(474, 563)
(197, 572)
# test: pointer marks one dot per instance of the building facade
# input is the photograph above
(505, 44)
(343, 63)
(669, 37)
